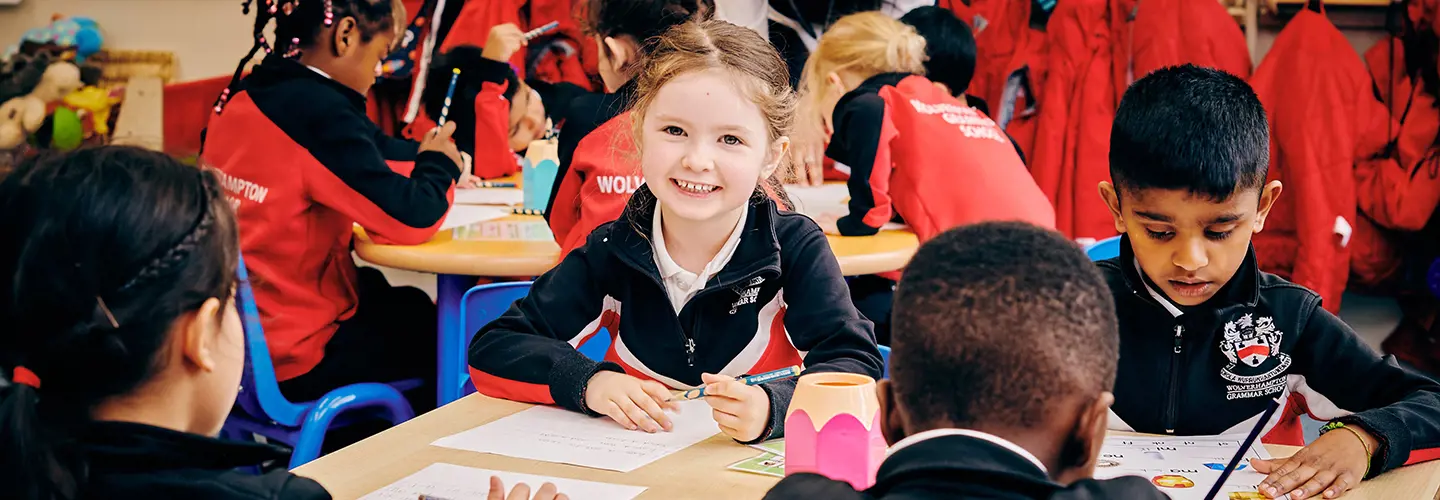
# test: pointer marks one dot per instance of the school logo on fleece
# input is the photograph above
(1257, 367)
(618, 184)
(747, 296)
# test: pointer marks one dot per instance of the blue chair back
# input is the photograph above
(259, 390)
(1432, 278)
(885, 361)
(1107, 248)
(479, 306)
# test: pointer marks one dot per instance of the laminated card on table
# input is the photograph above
(1183, 467)
(557, 435)
(453, 482)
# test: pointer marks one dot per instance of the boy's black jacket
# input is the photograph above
(961, 467)
(780, 301)
(1214, 368)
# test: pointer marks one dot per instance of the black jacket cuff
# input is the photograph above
(570, 376)
(439, 160)
(850, 225)
(779, 393)
(1391, 434)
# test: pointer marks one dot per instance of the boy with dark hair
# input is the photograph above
(949, 46)
(1209, 336)
(1000, 378)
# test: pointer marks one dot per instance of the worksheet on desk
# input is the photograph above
(1183, 467)
(558, 435)
(454, 482)
(489, 196)
(826, 201)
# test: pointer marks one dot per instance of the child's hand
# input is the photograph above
(1329, 466)
(504, 40)
(629, 401)
(439, 140)
(741, 410)
(522, 492)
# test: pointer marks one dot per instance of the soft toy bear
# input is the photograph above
(25, 96)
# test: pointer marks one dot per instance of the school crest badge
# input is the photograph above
(1250, 343)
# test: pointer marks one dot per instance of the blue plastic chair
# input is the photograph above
(885, 361)
(481, 305)
(1432, 278)
(265, 411)
(1107, 248)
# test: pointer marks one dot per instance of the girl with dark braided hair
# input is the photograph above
(120, 277)
(303, 164)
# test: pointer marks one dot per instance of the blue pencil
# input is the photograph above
(488, 184)
(530, 35)
(445, 110)
(1244, 445)
(771, 376)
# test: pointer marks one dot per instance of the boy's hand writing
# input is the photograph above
(1331, 465)
(741, 410)
(439, 140)
(522, 492)
(629, 401)
(504, 41)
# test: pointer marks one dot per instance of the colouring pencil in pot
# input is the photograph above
(548, 27)
(445, 110)
(771, 376)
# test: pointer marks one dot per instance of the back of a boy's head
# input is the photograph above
(998, 323)
(949, 45)
(1190, 128)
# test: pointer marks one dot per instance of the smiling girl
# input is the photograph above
(702, 278)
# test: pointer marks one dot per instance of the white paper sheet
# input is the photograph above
(827, 200)
(490, 196)
(464, 215)
(558, 435)
(453, 482)
(1183, 467)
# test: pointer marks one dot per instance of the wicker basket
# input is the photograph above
(119, 66)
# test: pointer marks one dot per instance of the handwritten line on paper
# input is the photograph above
(489, 196)
(556, 435)
(464, 215)
(453, 482)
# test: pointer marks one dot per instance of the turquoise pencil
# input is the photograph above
(770, 376)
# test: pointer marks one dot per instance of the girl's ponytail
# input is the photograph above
(33, 470)
(906, 50)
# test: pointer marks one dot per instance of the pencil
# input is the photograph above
(1240, 455)
(527, 211)
(548, 27)
(445, 110)
(488, 184)
(770, 376)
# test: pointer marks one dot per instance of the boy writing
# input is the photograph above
(1000, 377)
(1206, 338)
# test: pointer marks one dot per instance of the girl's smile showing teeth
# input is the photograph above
(694, 188)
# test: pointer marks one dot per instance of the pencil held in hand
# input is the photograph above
(771, 376)
(445, 110)
(548, 27)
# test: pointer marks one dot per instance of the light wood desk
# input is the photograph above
(695, 472)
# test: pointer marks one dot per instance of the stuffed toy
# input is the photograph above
(81, 34)
(27, 92)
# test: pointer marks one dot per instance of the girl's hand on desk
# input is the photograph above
(522, 492)
(629, 401)
(1331, 465)
(742, 410)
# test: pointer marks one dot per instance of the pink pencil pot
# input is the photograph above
(832, 428)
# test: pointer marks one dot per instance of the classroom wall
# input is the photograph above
(207, 36)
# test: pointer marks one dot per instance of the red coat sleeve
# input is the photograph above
(493, 157)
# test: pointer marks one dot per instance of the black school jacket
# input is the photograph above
(1214, 368)
(961, 467)
(780, 301)
(128, 460)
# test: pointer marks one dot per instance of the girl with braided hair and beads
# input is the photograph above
(302, 164)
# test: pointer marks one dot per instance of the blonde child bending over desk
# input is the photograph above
(702, 278)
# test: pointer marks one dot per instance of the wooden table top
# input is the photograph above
(445, 254)
(403, 450)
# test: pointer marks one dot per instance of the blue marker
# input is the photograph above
(445, 110)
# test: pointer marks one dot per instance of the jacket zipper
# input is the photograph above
(1174, 402)
(694, 330)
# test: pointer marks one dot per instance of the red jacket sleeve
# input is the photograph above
(493, 157)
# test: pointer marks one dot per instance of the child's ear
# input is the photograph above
(892, 424)
(1112, 200)
(836, 83)
(779, 150)
(199, 333)
(1082, 448)
(1268, 195)
(619, 52)
(344, 37)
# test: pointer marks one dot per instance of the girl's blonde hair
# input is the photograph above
(749, 59)
(865, 44)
